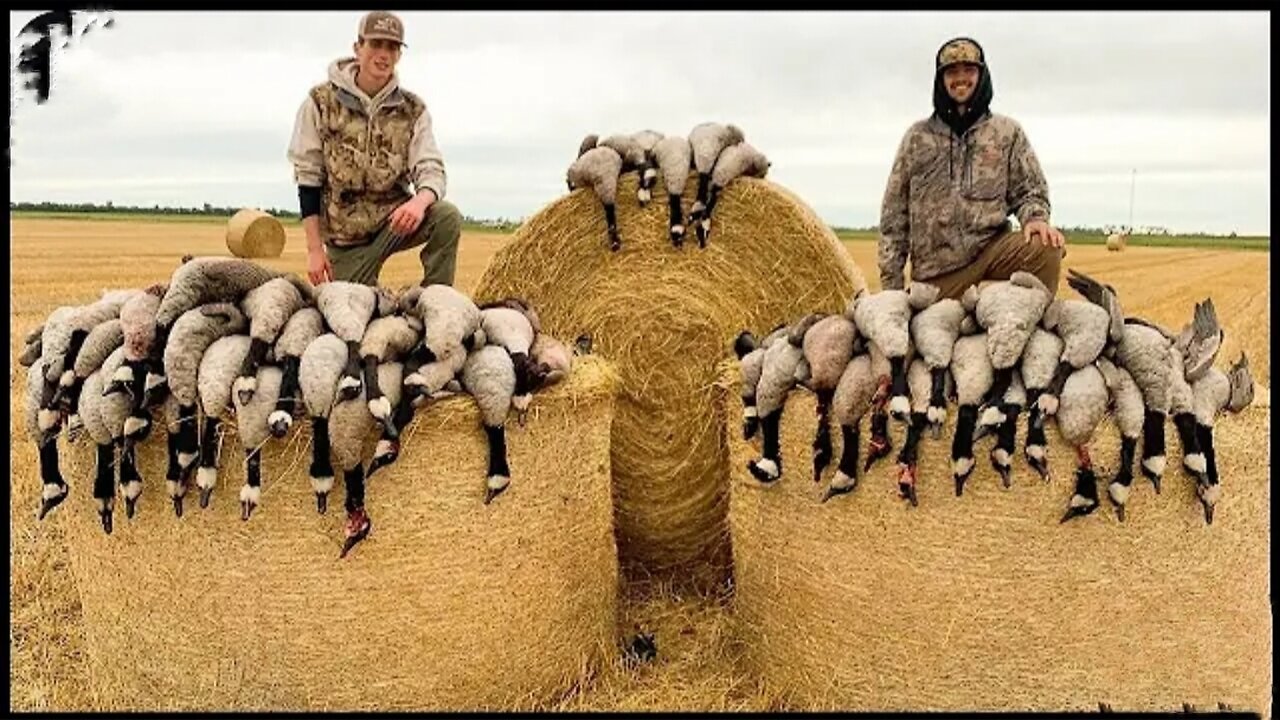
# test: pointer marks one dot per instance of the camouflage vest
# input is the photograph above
(366, 160)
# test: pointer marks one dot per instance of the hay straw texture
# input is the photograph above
(986, 602)
(666, 317)
(449, 604)
(253, 233)
(1115, 242)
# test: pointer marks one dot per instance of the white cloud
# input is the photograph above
(194, 107)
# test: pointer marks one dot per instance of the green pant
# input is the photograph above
(438, 234)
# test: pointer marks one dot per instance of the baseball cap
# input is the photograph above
(960, 50)
(381, 24)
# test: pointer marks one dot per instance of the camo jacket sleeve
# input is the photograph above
(1028, 194)
(895, 219)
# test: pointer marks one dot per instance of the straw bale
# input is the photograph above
(666, 317)
(252, 233)
(449, 603)
(1116, 242)
(985, 602)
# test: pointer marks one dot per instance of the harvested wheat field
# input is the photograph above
(701, 662)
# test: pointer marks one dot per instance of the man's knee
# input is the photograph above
(446, 222)
(1048, 266)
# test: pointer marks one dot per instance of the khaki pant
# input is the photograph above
(1002, 257)
(438, 234)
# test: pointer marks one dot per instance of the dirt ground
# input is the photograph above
(55, 262)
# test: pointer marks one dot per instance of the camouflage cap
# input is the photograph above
(383, 25)
(960, 50)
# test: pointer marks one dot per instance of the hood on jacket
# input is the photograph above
(943, 105)
(342, 73)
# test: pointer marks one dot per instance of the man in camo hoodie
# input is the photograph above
(359, 142)
(957, 178)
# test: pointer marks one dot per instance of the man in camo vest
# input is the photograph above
(359, 142)
(957, 178)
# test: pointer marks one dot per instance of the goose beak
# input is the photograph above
(49, 504)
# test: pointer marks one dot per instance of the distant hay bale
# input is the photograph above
(252, 233)
(1116, 242)
(449, 603)
(986, 602)
(666, 317)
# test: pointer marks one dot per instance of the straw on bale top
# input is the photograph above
(252, 233)
(449, 604)
(986, 602)
(666, 316)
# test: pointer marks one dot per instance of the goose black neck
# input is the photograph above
(1152, 434)
(1007, 435)
(173, 470)
(73, 348)
(497, 450)
(1001, 380)
(289, 382)
(209, 442)
(1059, 379)
(403, 411)
(353, 480)
(129, 463)
(938, 387)
(50, 474)
(849, 450)
(770, 425)
(188, 430)
(966, 421)
(1185, 423)
(320, 464)
(1204, 435)
(353, 358)
(253, 467)
(677, 212)
(898, 374)
(910, 447)
(257, 355)
(1087, 483)
(105, 475)
(372, 390)
(1128, 450)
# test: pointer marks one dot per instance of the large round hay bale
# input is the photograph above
(252, 233)
(666, 316)
(986, 601)
(1115, 242)
(448, 604)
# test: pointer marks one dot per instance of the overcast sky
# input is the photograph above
(182, 108)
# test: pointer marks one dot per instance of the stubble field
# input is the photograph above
(65, 261)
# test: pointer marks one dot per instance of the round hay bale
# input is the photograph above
(448, 604)
(986, 602)
(252, 233)
(1116, 242)
(666, 317)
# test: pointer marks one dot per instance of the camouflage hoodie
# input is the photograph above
(949, 195)
(364, 152)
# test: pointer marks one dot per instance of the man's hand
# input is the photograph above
(1049, 235)
(319, 269)
(406, 218)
